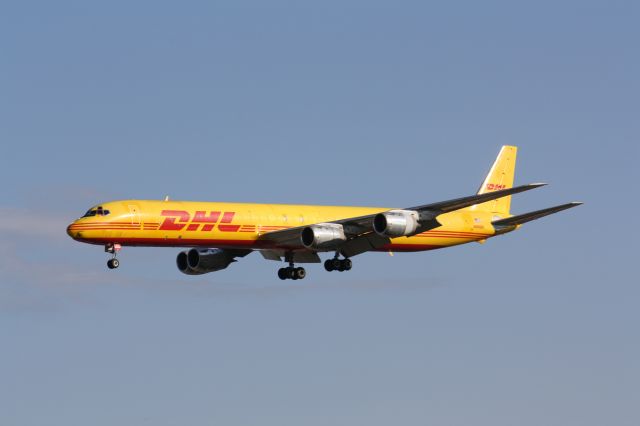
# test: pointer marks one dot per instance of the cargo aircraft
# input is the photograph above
(216, 234)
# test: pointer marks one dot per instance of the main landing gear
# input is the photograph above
(112, 248)
(291, 272)
(336, 264)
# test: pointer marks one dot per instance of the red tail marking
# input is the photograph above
(495, 186)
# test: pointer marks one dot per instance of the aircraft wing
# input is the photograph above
(359, 230)
(460, 203)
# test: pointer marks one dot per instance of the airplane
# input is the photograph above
(216, 234)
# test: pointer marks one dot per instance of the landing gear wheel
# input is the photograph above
(282, 273)
(113, 263)
(291, 273)
(336, 264)
(346, 264)
(328, 265)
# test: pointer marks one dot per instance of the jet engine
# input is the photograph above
(183, 264)
(322, 235)
(396, 223)
(201, 261)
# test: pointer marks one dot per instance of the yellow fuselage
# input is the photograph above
(240, 225)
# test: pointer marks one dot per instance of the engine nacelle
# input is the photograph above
(199, 261)
(396, 223)
(183, 264)
(322, 235)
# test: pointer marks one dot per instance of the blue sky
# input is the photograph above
(358, 103)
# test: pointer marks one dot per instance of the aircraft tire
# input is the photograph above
(282, 274)
(291, 272)
(346, 264)
(300, 273)
(113, 263)
(328, 265)
(337, 264)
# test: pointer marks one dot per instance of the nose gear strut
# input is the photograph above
(113, 248)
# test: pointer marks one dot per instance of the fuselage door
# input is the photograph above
(134, 213)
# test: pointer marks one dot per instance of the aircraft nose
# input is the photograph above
(71, 231)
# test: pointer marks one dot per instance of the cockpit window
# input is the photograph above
(98, 211)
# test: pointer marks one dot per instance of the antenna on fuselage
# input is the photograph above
(166, 198)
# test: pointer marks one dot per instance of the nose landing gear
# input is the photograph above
(113, 248)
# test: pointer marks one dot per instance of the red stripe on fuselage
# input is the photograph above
(120, 228)
(232, 243)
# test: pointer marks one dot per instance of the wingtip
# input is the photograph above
(576, 203)
(537, 184)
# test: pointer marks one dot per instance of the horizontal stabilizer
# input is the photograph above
(509, 222)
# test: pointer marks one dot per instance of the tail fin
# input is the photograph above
(500, 177)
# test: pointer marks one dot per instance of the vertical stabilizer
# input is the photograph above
(500, 177)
